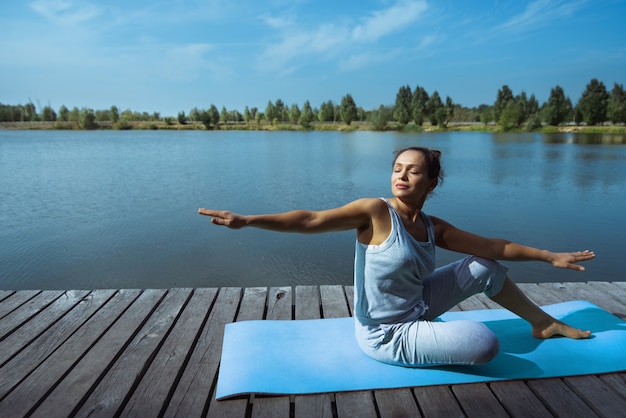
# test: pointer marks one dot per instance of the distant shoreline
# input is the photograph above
(315, 126)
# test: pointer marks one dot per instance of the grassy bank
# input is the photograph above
(316, 126)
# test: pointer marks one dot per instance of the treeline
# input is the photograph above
(415, 106)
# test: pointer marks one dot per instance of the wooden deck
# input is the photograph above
(151, 353)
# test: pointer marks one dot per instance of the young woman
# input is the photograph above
(398, 291)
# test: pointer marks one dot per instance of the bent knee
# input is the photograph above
(490, 347)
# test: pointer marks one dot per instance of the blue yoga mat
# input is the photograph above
(321, 355)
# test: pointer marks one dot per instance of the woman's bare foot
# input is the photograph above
(557, 328)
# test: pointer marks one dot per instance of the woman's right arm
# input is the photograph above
(354, 215)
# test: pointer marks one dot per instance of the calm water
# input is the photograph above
(118, 209)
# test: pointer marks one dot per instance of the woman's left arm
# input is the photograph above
(454, 239)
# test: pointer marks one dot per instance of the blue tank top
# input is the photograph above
(388, 277)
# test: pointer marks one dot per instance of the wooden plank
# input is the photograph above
(279, 301)
(308, 307)
(437, 401)
(602, 398)
(76, 385)
(518, 399)
(334, 301)
(34, 388)
(192, 394)
(396, 403)
(560, 399)
(615, 380)
(24, 362)
(4, 294)
(478, 401)
(611, 296)
(338, 303)
(252, 307)
(28, 332)
(26, 311)
(16, 300)
(108, 395)
(150, 393)
(356, 405)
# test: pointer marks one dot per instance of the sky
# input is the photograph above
(169, 56)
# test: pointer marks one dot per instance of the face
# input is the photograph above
(410, 176)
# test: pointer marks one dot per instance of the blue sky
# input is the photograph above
(171, 56)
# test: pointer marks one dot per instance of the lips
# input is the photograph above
(401, 186)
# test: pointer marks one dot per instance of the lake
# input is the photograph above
(118, 209)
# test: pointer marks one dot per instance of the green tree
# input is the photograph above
(214, 115)
(87, 119)
(306, 117)
(30, 112)
(270, 112)
(114, 114)
(521, 101)
(294, 113)
(381, 117)
(281, 110)
(327, 112)
(48, 114)
(533, 105)
(509, 117)
(594, 102)
(448, 111)
(224, 115)
(433, 106)
(182, 119)
(616, 108)
(64, 114)
(247, 116)
(504, 96)
(195, 115)
(419, 105)
(402, 111)
(348, 109)
(558, 107)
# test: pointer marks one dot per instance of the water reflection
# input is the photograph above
(118, 209)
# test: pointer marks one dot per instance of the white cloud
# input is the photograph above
(329, 40)
(384, 22)
(65, 12)
(540, 13)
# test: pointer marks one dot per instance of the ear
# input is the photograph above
(433, 185)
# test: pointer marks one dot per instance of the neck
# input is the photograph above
(408, 209)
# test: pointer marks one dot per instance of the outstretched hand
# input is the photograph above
(224, 217)
(570, 260)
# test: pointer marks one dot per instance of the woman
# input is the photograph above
(398, 292)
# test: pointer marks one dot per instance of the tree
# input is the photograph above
(87, 119)
(114, 114)
(449, 111)
(348, 110)
(402, 111)
(270, 112)
(48, 114)
(521, 101)
(593, 103)
(533, 105)
(182, 119)
(224, 115)
(616, 108)
(419, 105)
(281, 110)
(247, 116)
(504, 96)
(558, 107)
(64, 114)
(294, 113)
(433, 106)
(381, 117)
(306, 117)
(327, 112)
(214, 115)
(509, 117)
